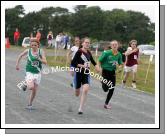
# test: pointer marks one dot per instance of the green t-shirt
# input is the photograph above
(109, 60)
(33, 64)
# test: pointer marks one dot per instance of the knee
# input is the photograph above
(86, 90)
(105, 87)
(34, 91)
(31, 87)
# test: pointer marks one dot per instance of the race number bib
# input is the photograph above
(135, 56)
(35, 63)
(87, 64)
(114, 63)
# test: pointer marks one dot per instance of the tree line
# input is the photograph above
(98, 24)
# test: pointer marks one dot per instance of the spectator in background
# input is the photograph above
(50, 38)
(38, 35)
(59, 39)
(65, 41)
(16, 36)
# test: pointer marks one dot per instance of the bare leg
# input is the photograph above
(126, 76)
(134, 76)
(83, 96)
(30, 84)
(33, 94)
(77, 92)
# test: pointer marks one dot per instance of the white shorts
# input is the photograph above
(132, 68)
(33, 77)
(49, 42)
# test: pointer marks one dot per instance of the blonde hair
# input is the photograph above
(132, 42)
(83, 39)
(114, 41)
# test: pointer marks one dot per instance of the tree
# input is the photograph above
(13, 17)
(79, 7)
(85, 21)
(88, 22)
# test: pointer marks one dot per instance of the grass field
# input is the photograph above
(142, 69)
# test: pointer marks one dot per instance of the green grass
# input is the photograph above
(142, 69)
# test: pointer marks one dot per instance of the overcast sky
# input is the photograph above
(148, 10)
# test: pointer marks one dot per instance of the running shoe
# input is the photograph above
(134, 85)
(107, 106)
(24, 87)
(80, 112)
(29, 107)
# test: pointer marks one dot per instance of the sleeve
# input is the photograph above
(102, 57)
(75, 61)
(92, 60)
(120, 59)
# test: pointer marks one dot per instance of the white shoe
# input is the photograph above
(29, 107)
(80, 111)
(134, 85)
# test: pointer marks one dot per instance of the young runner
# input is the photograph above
(131, 54)
(82, 60)
(35, 58)
(72, 53)
(108, 62)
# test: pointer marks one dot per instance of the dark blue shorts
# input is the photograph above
(80, 79)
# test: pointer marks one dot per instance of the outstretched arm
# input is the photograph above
(24, 53)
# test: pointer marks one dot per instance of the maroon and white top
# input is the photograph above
(132, 59)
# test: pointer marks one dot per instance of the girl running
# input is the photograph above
(35, 58)
(81, 61)
(108, 62)
(72, 53)
(131, 62)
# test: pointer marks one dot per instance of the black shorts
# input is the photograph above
(110, 76)
(80, 79)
